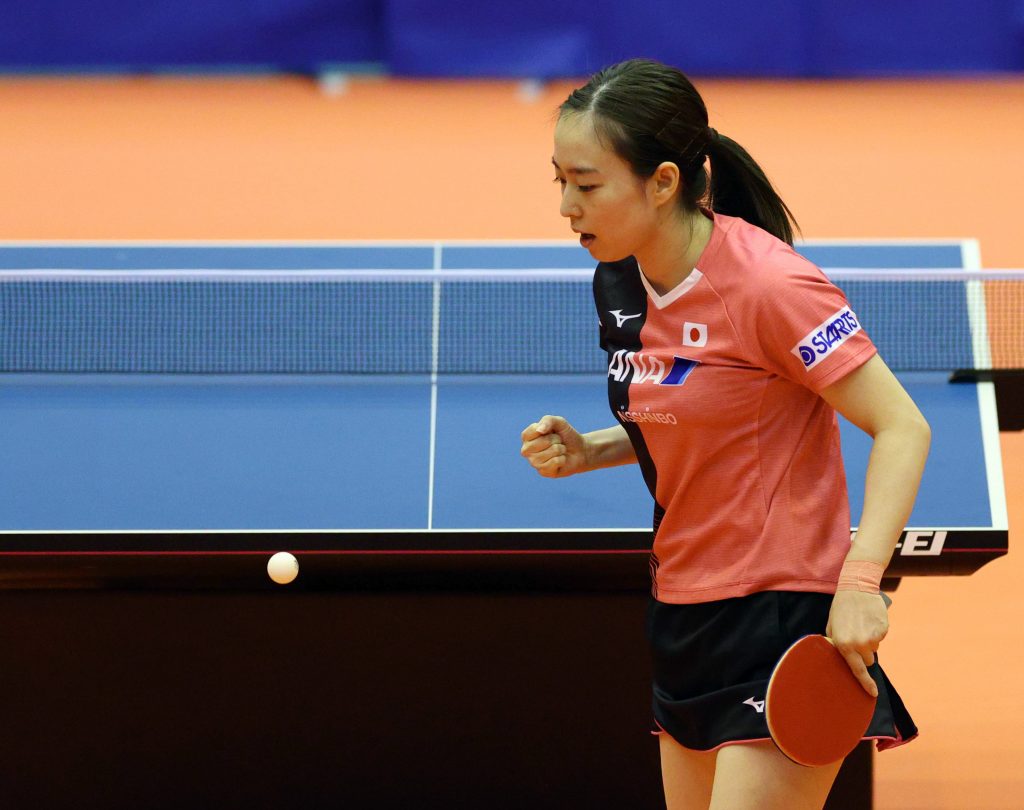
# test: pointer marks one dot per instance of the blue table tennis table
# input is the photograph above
(344, 466)
(455, 612)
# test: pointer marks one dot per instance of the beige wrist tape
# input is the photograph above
(861, 575)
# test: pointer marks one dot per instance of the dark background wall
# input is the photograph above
(298, 698)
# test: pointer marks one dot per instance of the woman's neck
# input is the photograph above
(672, 254)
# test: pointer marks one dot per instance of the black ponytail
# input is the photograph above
(650, 113)
(740, 188)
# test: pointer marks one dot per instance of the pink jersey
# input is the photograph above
(717, 383)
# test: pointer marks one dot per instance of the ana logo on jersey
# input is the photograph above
(647, 368)
(620, 318)
(826, 337)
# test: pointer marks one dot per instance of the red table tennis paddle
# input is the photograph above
(816, 709)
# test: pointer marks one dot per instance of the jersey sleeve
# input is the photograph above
(807, 332)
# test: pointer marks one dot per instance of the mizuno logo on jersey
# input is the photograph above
(757, 704)
(647, 368)
(620, 318)
(826, 338)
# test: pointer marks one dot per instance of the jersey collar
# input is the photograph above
(677, 292)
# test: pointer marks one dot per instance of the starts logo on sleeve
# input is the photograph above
(826, 337)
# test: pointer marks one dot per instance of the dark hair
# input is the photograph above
(650, 113)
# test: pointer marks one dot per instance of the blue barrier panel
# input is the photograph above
(879, 37)
(158, 34)
(528, 38)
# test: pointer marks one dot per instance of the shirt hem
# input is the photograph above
(685, 596)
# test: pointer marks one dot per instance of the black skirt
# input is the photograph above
(712, 661)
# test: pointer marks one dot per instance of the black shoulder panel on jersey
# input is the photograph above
(621, 304)
(621, 300)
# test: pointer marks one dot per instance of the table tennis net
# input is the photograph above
(420, 322)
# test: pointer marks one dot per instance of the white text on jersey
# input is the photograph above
(648, 368)
(826, 337)
(645, 367)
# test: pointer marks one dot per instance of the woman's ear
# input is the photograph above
(664, 183)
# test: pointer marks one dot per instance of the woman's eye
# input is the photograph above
(561, 181)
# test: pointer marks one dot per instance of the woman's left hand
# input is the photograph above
(857, 624)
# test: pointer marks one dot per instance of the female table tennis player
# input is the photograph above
(729, 355)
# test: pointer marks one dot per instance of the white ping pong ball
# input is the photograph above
(283, 567)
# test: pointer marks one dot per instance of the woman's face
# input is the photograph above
(606, 203)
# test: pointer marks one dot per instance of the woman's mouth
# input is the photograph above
(587, 239)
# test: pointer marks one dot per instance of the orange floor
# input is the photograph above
(161, 158)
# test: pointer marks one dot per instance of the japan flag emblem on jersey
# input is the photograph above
(695, 334)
